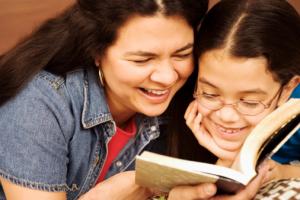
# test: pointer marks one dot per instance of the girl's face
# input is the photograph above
(232, 79)
(148, 63)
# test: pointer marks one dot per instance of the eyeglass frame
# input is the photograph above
(234, 105)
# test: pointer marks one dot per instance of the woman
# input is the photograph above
(80, 97)
(249, 64)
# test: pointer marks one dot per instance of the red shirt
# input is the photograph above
(116, 144)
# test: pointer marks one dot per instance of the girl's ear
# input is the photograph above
(288, 89)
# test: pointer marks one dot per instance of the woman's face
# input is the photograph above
(234, 79)
(150, 60)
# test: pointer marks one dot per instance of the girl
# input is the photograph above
(249, 64)
(80, 97)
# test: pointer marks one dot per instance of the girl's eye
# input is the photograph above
(250, 104)
(210, 96)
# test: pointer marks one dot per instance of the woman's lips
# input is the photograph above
(155, 96)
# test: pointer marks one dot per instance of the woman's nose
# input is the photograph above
(164, 74)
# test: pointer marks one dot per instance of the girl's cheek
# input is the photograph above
(203, 111)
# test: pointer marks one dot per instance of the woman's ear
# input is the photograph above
(97, 60)
(288, 89)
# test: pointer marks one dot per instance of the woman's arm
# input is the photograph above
(16, 192)
(120, 186)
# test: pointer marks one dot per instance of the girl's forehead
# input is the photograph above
(223, 70)
(219, 62)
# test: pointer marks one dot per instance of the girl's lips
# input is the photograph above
(228, 130)
(229, 133)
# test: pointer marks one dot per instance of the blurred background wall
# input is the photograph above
(19, 17)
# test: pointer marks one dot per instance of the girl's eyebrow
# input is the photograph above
(150, 54)
(250, 91)
(204, 81)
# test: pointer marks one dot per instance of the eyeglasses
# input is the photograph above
(245, 107)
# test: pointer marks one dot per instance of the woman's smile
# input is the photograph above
(155, 95)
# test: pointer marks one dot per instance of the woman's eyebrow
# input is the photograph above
(150, 54)
(188, 46)
(140, 53)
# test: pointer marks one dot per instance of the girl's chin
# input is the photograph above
(226, 157)
(229, 146)
(226, 162)
(230, 142)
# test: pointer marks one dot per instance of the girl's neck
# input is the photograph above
(224, 163)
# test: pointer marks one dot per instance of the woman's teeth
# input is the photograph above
(156, 92)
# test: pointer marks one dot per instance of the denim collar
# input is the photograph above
(95, 109)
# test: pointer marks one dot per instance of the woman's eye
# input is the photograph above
(183, 56)
(142, 61)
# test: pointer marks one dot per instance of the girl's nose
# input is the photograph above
(228, 113)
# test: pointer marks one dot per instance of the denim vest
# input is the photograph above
(54, 134)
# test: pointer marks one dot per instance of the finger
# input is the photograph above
(203, 137)
(191, 116)
(272, 172)
(197, 122)
(189, 108)
(202, 191)
(254, 185)
(250, 191)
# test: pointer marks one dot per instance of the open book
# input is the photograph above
(164, 172)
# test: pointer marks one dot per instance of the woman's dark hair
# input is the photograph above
(72, 39)
(245, 28)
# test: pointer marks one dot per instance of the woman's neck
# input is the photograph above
(120, 113)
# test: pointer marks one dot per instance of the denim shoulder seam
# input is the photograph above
(54, 80)
(39, 186)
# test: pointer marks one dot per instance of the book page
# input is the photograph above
(246, 162)
(158, 171)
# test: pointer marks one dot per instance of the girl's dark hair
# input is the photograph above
(253, 28)
(245, 28)
(72, 39)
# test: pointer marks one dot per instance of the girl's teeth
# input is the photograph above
(229, 131)
(157, 92)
